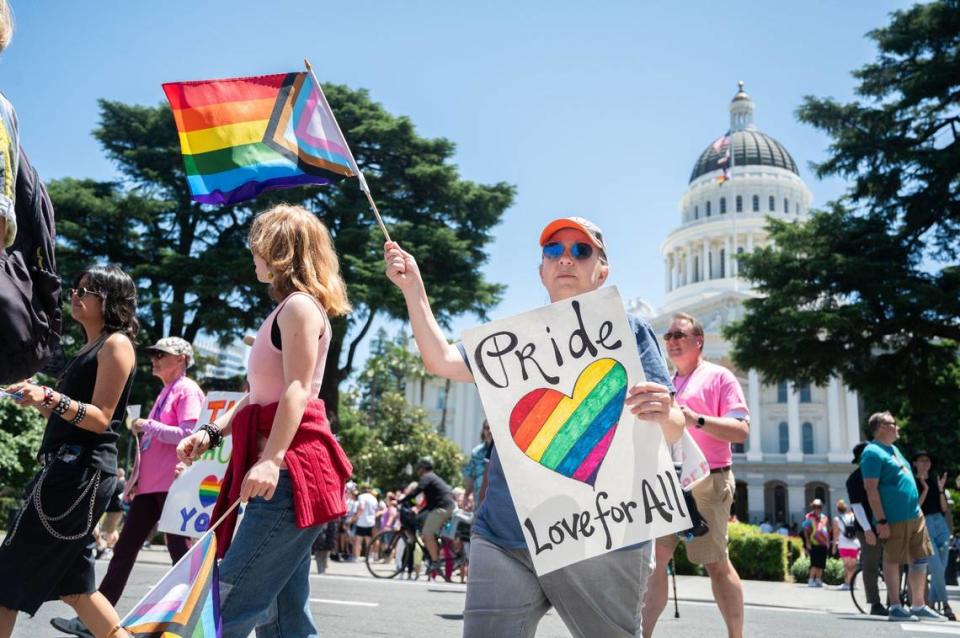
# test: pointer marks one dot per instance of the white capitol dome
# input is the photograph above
(800, 437)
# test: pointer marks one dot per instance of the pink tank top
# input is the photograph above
(265, 368)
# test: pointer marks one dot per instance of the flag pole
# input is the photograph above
(363, 181)
(224, 516)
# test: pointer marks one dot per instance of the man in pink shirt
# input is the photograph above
(173, 417)
(716, 414)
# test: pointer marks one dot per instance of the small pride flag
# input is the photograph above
(186, 601)
(242, 136)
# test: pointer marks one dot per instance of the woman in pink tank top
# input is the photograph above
(285, 464)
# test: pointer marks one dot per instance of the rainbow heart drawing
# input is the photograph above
(209, 490)
(571, 434)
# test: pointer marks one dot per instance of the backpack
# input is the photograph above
(849, 526)
(30, 311)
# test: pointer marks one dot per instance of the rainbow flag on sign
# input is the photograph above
(186, 601)
(242, 136)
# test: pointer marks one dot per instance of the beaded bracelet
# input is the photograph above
(81, 412)
(216, 439)
(47, 396)
(63, 405)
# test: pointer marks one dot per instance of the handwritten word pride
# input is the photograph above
(585, 524)
(496, 349)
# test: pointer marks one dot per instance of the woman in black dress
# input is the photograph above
(48, 552)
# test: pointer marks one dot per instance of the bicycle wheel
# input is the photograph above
(859, 594)
(385, 556)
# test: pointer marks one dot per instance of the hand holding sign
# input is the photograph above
(650, 401)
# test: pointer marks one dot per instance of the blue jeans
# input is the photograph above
(265, 575)
(937, 565)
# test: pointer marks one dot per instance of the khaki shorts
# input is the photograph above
(434, 521)
(714, 496)
(908, 542)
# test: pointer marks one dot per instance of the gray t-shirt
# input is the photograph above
(497, 519)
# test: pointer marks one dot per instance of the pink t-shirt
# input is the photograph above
(173, 417)
(711, 390)
(265, 367)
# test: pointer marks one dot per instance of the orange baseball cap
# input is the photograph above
(582, 224)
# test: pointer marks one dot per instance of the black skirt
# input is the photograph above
(818, 556)
(39, 565)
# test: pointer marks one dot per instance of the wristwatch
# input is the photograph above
(700, 422)
(881, 521)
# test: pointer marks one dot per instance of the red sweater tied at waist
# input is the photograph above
(318, 467)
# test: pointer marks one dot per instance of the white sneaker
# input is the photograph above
(844, 587)
(925, 613)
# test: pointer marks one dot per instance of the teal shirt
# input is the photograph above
(898, 489)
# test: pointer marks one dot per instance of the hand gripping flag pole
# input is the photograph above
(363, 181)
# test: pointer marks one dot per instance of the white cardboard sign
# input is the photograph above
(193, 494)
(585, 475)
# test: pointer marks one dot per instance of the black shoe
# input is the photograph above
(72, 626)
(877, 609)
(946, 611)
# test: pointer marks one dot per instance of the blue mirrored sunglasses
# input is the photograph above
(579, 250)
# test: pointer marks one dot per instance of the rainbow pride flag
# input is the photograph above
(186, 601)
(242, 136)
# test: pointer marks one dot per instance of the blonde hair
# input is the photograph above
(6, 24)
(300, 255)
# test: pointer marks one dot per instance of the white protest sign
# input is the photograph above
(585, 475)
(193, 494)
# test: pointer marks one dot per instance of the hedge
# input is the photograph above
(832, 575)
(755, 556)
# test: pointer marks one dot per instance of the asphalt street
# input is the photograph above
(357, 605)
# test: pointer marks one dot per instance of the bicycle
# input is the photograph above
(859, 594)
(394, 552)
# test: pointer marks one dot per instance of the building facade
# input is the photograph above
(219, 362)
(800, 438)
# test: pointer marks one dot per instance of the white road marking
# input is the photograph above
(791, 610)
(930, 629)
(352, 603)
(422, 582)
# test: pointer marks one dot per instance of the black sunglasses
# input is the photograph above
(157, 354)
(674, 335)
(83, 292)
(579, 250)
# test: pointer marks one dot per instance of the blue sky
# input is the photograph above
(595, 109)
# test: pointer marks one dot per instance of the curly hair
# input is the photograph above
(120, 297)
(299, 252)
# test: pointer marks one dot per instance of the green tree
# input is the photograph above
(870, 287)
(380, 431)
(21, 430)
(191, 262)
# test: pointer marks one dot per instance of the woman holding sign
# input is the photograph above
(505, 597)
(285, 464)
(48, 552)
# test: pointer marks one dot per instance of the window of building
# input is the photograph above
(696, 269)
(696, 212)
(723, 205)
(771, 204)
(756, 203)
(739, 204)
(796, 207)
(708, 209)
(784, 431)
(738, 448)
(807, 430)
(782, 392)
(786, 206)
(709, 271)
(723, 263)
(805, 396)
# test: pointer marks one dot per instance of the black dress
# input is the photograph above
(45, 557)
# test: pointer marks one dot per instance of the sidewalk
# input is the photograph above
(756, 593)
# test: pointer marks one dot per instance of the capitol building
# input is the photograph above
(800, 441)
